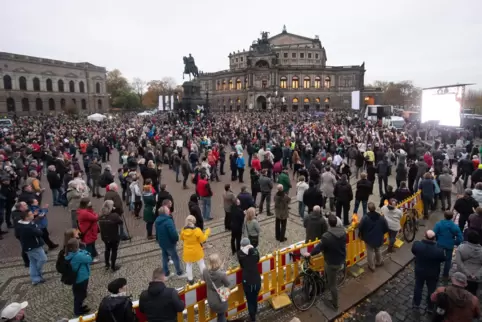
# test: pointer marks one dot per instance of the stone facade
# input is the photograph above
(31, 85)
(287, 72)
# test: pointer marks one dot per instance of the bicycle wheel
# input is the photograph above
(303, 292)
(341, 276)
(409, 229)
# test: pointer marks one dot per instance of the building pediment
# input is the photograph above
(71, 75)
(97, 78)
(48, 73)
(287, 38)
(21, 70)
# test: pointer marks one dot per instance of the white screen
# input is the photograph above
(444, 108)
(355, 100)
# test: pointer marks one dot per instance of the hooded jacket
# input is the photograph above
(248, 258)
(333, 246)
(448, 234)
(477, 195)
(343, 191)
(363, 189)
(463, 306)
(468, 259)
(80, 262)
(87, 219)
(192, 238)
(166, 234)
(372, 229)
(315, 225)
(116, 308)
(281, 203)
(218, 278)
(160, 303)
(393, 216)
(109, 227)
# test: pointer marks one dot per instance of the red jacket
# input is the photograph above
(88, 227)
(203, 189)
(256, 164)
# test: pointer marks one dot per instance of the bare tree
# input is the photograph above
(139, 87)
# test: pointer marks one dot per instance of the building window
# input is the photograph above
(238, 84)
(217, 85)
(99, 104)
(306, 100)
(74, 102)
(327, 82)
(62, 104)
(317, 100)
(22, 84)
(241, 59)
(97, 88)
(7, 82)
(293, 55)
(316, 56)
(25, 105)
(327, 99)
(236, 60)
(285, 55)
(309, 55)
(295, 100)
(39, 105)
(238, 101)
(83, 103)
(283, 83)
(302, 55)
(231, 85)
(81, 87)
(10, 105)
(224, 85)
(72, 86)
(306, 82)
(60, 84)
(317, 82)
(246, 83)
(36, 84)
(50, 87)
(264, 84)
(51, 104)
(295, 82)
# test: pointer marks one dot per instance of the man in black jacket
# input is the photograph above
(333, 246)
(344, 196)
(20, 207)
(312, 197)
(110, 223)
(158, 302)
(116, 307)
(163, 195)
(315, 224)
(55, 185)
(363, 192)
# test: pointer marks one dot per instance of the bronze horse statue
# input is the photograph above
(190, 67)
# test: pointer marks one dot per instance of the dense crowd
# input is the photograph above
(322, 154)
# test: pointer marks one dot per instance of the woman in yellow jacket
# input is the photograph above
(192, 250)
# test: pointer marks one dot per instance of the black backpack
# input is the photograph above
(103, 181)
(63, 266)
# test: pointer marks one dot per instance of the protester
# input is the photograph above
(468, 260)
(149, 214)
(229, 199)
(88, 226)
(344, 195)
(237, 224)
(251, 227)
(465, 206)
(14, 312)
(215, 280)
(448, 235)
(74, 195)
(301, 187)
(109, 223)
(195, 211)
(371, 230)
(315, 225)
(363, 192)
(193, 252)
(248, 257)
(393, 215)
(281, 204)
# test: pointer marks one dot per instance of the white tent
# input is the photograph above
(144, 114)
(96, 117)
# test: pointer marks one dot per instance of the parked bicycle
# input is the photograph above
(411, 224)
(310, 283)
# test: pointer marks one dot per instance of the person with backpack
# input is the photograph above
(117, 306)
(88, 226)
(79, 261)
(109, 223)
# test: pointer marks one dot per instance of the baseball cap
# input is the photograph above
(11, 310)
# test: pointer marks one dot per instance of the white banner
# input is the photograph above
(172, 103)
(355, 100)
(160, 107)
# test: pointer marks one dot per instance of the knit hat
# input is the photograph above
(245, 242)
(116, 285)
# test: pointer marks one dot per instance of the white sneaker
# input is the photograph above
(95, 260)
(171, 262)
(183, 275)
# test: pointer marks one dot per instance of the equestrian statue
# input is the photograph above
(190, 67)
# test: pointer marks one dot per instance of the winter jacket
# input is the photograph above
(281, 203)
(248, 258)
(116, 198)
(29, 234)
(80, 262)
(149, 214)
(328, 182)
(464, 205)
(372, 229)
(445, 180)
(54, 180)
(95, 170)
(402, 172)
(251, 228)
(246, 200)
(240, 164)
(447, 233)
(160, 303)
(402, 194)
(284, 180)
(468, 260)
(463, 306)
(164, 195)
(428, 188)
(195, 210)
(477, 195)
(109, 227)
(382, 168)
(192, 238)
(166, 233)
(116, 308)
(73, 199)
(237, 219)
(312, 197)
(265, 184)
(333, 246)
(218, 278)
(301, 187)
(87, 220)
(393, 216)
(343, 191)
(229, 199)
(428, 257)
(315, 225)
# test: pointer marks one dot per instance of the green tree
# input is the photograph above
(127, 100)
(139, 87)
(403, 93)
(116, 85)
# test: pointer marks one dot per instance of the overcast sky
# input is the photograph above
(431, 42)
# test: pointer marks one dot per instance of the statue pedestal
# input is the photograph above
(192, 96)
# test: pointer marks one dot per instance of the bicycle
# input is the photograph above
(411, 224)
(310, 283)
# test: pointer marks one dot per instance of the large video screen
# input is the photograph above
(442, 105)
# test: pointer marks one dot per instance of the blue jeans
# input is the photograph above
(37, 259)
(176, 169)
(167, 253)
(56, 197)
(392, 236)
(364, 207)
(206, 207)
(448, 261)
(301, 209)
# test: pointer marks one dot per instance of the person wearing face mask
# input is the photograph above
(14, 312)
(117, 306)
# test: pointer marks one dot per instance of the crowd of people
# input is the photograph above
(321, 155)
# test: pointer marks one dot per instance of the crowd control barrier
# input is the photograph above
(278, 272)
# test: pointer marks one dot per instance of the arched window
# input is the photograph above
(81, 87)
(39, 105)
(72, 86)
(22, 83)
(296, 100)
(83, 104)
(62, 103)
(238, 101)
(327, 99)
(60, 84)
(218, 86)
(49, 85)
(25, 105)
(238, 84)
(283, 82)
(306, 82)
(306, 100)
(317, 82)
(327, 82)
(97, 88)
(74, 102)
(36, 84)
(317, 100)
(51, 104)
(7, 82)
(224, 85)
(99, 104)
(231, 86)
(295, 82)
(10, 105)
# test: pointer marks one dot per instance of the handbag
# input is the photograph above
(222, 291)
